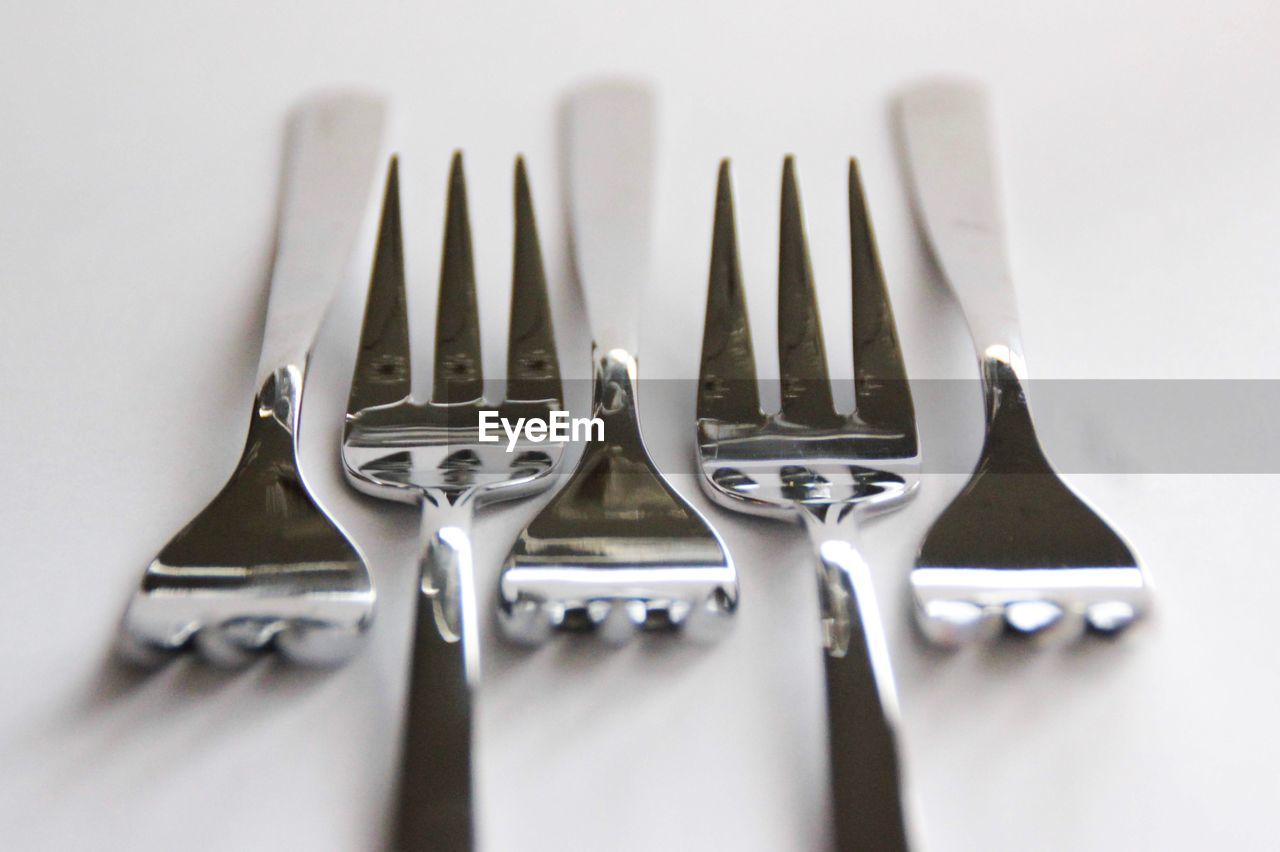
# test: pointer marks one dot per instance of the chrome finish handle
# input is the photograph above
(611, 147)
(448, 573)
(333, 154)
(947, 138)
(862, 704)
(435, 798)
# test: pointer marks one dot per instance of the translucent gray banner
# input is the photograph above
(1085, 426)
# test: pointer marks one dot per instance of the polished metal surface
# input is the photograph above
(828, 469)
(264, 566)
(431, 454)
(617, 548)
(1017, 547)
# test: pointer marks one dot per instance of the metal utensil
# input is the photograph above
(433, 454)
(617, 548)
(264, 565)
(826, 469)
(1016, 544)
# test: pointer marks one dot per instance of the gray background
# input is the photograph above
(139, 153)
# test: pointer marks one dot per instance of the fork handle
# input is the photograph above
(332, 158)
(610, 146)
(949, 149)
(435, 798)
(862, 705)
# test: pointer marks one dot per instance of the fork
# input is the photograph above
(830, 470)
(617, 549)
(1017, 545)
(433, 454)
(264, 566)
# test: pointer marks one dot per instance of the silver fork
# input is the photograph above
(829, 470)
(431, 453)
(617, 548)
(1016, 545)
(263, 565)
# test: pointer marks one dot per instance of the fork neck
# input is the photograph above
(280, 399)
(451, 505)
(1011, 444)
(447, 581)
(1003, 373)
(614, 392)
(821, 519)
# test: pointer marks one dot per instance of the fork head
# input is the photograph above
(617, 549)
(261, 567)
(806, 457)
(1017, 547)
(398, 449)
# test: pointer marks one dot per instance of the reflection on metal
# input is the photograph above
(431, 454)
(263, 566)
(828, 469)
(617, 548)
(1017, 547)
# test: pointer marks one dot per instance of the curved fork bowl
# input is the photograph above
(1018, 547)
(1022, 552)
(261, 567)
(617, 549)
(401, 450)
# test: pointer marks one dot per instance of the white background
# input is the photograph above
(139, 152)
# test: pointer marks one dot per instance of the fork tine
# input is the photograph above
(458, 375)
(533, 370)
(880, 376)
(727, 378)
(802, 358)
(382, 362)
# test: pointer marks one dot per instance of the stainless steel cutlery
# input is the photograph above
(617, 548)
(1017, 546)
(433, 454)
(264, 566)
(828, 470)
